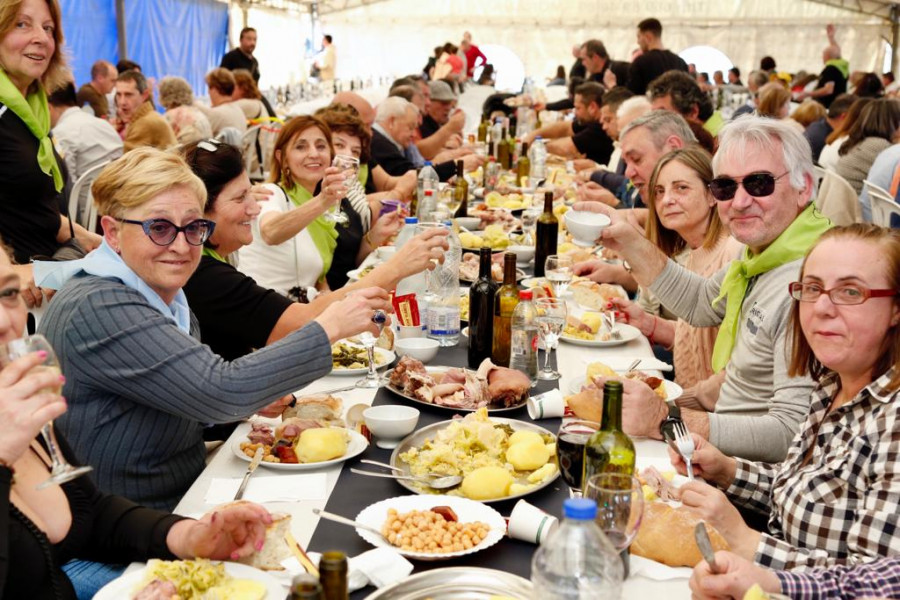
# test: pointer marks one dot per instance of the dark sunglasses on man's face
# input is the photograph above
(755, 184)
(163, 232)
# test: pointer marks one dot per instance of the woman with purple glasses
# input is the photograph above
(140, 385)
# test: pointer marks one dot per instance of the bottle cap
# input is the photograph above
(538, 137)
(429, 192)
(427, 163)
(526, 294)
(580, 509)
(413, 220)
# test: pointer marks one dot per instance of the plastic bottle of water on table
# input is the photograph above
(443, 306)
(538, 161)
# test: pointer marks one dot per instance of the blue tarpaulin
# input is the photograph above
(166, 37)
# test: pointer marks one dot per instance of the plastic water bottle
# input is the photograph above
(538, 161)
(443, 306)
(417, 283)
(428, 180)
(427, 206)
(577, 562)
(523, 337)
(407, 231)
(497, 134)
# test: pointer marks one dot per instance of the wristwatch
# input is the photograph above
(667, 427)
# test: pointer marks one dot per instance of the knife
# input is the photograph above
(257, 458)
(702, 537)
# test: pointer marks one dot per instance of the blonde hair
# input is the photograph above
(809, 112)
(57, 74)
(772, 97)
(141, 175)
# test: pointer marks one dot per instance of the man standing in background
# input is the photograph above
(326, 60)
(242, 56)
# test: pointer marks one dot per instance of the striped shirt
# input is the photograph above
(843, 505)
(878, 579)
(139, 389)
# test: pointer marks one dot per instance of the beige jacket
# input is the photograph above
(148, 128)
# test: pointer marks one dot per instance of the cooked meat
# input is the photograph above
(507, 386)
(157, 590)
(292, 427)
(454, 376)
(261, 434)
(446, 389)
(401, 372)
(659, 484)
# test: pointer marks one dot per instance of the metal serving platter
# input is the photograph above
(457, 583)
(441, 370)
(417, 438)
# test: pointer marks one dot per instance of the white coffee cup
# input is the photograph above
(529, 523)
(549, 405)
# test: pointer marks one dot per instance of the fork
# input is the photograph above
(685, 444)
(614, 333)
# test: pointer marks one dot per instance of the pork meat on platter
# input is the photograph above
(461, 388)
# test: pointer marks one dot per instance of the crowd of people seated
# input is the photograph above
(202, 298)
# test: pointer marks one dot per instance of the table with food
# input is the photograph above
(460, 468)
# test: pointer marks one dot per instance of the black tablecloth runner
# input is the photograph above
(355, 492)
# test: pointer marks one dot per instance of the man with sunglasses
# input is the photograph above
(763, 187)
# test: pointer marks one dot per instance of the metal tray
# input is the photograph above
(417, 438)
(457, 583)
(438, 369)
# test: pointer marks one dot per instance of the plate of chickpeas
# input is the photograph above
(432, 528)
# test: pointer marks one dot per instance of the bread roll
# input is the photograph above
(317, 407)
(666, 535)
(275, 548)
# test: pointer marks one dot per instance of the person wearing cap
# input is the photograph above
(441, 126)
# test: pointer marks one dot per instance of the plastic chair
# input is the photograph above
(81, 200)
(837, 200)
(252, 153)
(883, 205)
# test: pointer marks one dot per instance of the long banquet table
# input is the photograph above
(349, 493)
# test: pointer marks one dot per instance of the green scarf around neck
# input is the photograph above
(323, 233)
(35, 113)
(363, 174)
(841, 65)
(791, 245)
(213, 254)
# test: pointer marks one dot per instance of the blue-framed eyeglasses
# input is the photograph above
(163, 232)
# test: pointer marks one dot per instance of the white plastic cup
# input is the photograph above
(529, 523)
(549, 405)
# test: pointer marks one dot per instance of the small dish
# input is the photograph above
(470, 223)
(423, 349)
(390, 423)
(585, 226)
(524, 254)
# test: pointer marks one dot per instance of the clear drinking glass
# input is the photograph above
(571, 439)
(61, 471)
(620, 508)
(349, 165)
(551, 319)
(558, 271)
(372, 379)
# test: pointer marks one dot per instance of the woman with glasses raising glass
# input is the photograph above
(140, 384)
(836, 496)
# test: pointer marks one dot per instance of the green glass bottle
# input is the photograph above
(609, 450)
(333, 576)
(505, 301)
(461, 191)
(503, 155)
(482, 131)
(523, 167)
(305, 587)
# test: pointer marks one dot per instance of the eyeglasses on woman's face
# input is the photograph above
(756, 184)
(842, 294)
(163, 232)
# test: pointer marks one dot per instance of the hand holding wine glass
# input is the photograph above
(32, 373)
(349, 166)
(372, 380)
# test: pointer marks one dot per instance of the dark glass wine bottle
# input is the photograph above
(523, 167)
(504, 304)
(481, 312)
(482, 130)
(305, 587)
(546, 234)
(461, 191)
(503, 156)
(333, 576)
(609, 450)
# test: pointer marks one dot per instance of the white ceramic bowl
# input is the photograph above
(470, 223)
(420, 348)
(524, 254)
(390, 423)
(586, 226)
(385, 252)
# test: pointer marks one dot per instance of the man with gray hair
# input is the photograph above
(395, 123)
(763, 188)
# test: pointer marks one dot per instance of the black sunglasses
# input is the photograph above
(756, 184)
(163, 232)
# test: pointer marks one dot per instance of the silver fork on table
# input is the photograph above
(610, 319)
(685, 444)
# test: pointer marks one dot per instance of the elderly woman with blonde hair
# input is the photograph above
(139, 383)
(187, 121)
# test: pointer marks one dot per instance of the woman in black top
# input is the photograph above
(42, 529)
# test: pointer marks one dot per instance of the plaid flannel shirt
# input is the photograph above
(843, 506)
(878, 579)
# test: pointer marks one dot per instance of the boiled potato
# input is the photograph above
(525, 436)
(543, 473)
(528, 455)
(519, 488)
(487, 483)
(320, 444)
(237, 589)
(470, 240)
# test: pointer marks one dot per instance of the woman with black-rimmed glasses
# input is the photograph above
(139, 383)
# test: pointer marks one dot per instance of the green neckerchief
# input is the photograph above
(789, 246)
(35, 113)
(213, 254)
(840, 64)
(363, 174)
(324, 234)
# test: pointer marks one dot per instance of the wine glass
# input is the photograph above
(620, 507)
(372, 380)
(551, 319)
(349, 165)
(61, 471)
(558, 271)
(571, 439)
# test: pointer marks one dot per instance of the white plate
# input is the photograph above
(355, 446)
(673, 390)
(124, 586)
(628, 333)
(467, 510)
(383, 358)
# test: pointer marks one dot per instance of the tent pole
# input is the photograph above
(895, 38)
(120, 27)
